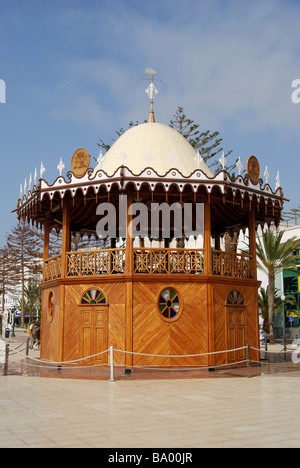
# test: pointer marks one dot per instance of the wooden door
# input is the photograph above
(93, 334)
(236, 333)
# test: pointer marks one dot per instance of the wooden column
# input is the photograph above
(46, 244)
(129, 266)
(208, 272)
(129, 240)
(65, 247)
(66, 239)
(207, 238)
(252, 242)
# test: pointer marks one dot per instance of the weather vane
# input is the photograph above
(151, 91)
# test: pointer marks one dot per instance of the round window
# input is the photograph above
(169, 305)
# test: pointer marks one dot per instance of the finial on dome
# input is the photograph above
(152, 92)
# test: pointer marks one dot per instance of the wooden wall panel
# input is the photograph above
(152, 335)
(202, 327)
(50, 326)
(116, 318)
(71, 325)
(220, 293)
(250, 295)
(114, 293)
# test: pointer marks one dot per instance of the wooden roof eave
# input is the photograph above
(123, 176)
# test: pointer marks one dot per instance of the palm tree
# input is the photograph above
(273, 256)
(263, 304)
(32, 302)
(33, 299)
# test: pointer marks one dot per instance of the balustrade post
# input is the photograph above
(111, 354)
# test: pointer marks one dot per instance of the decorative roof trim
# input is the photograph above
(123, 176)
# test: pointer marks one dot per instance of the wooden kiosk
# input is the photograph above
(152, 295)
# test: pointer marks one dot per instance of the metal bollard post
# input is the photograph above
(249, 361)
(111, 352)
(6, 359)
(27, 347)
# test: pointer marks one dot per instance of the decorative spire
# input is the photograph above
(267, 175)
(199, 160)
(100, 159)
(42, 170)
(148, 156)
(173, 158)
(223, 161)
(239, 165)
(152, 92)
(277, 181)
(35, 177)
(60, 167)
(123, 156)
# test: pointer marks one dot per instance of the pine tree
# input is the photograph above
(25, 247)
(8, 272)
(207, 142)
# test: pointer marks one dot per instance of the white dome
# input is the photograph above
(153, 145)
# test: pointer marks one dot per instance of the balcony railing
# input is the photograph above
(96, 262)
(169, 261)
(52, 268)
(149, 261)
(232, 264)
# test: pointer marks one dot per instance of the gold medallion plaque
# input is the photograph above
(253, 169)
(80, 162)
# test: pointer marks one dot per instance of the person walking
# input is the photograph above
(32, 330)
(38, 337)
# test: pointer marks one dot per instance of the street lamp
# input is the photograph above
(283, 320)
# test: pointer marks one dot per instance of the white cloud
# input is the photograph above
(232, 61)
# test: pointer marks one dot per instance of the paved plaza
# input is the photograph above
(263, 411)
(144, 411)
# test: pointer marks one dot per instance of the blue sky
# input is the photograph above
(73, 73)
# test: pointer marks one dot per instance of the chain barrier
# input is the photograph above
(63, 365)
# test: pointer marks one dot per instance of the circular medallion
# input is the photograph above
(80, 162)
(253, 169)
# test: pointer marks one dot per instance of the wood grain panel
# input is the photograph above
(152, 335)
(250, 295)
(50, 325)
(114, 293)
(134, 320)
